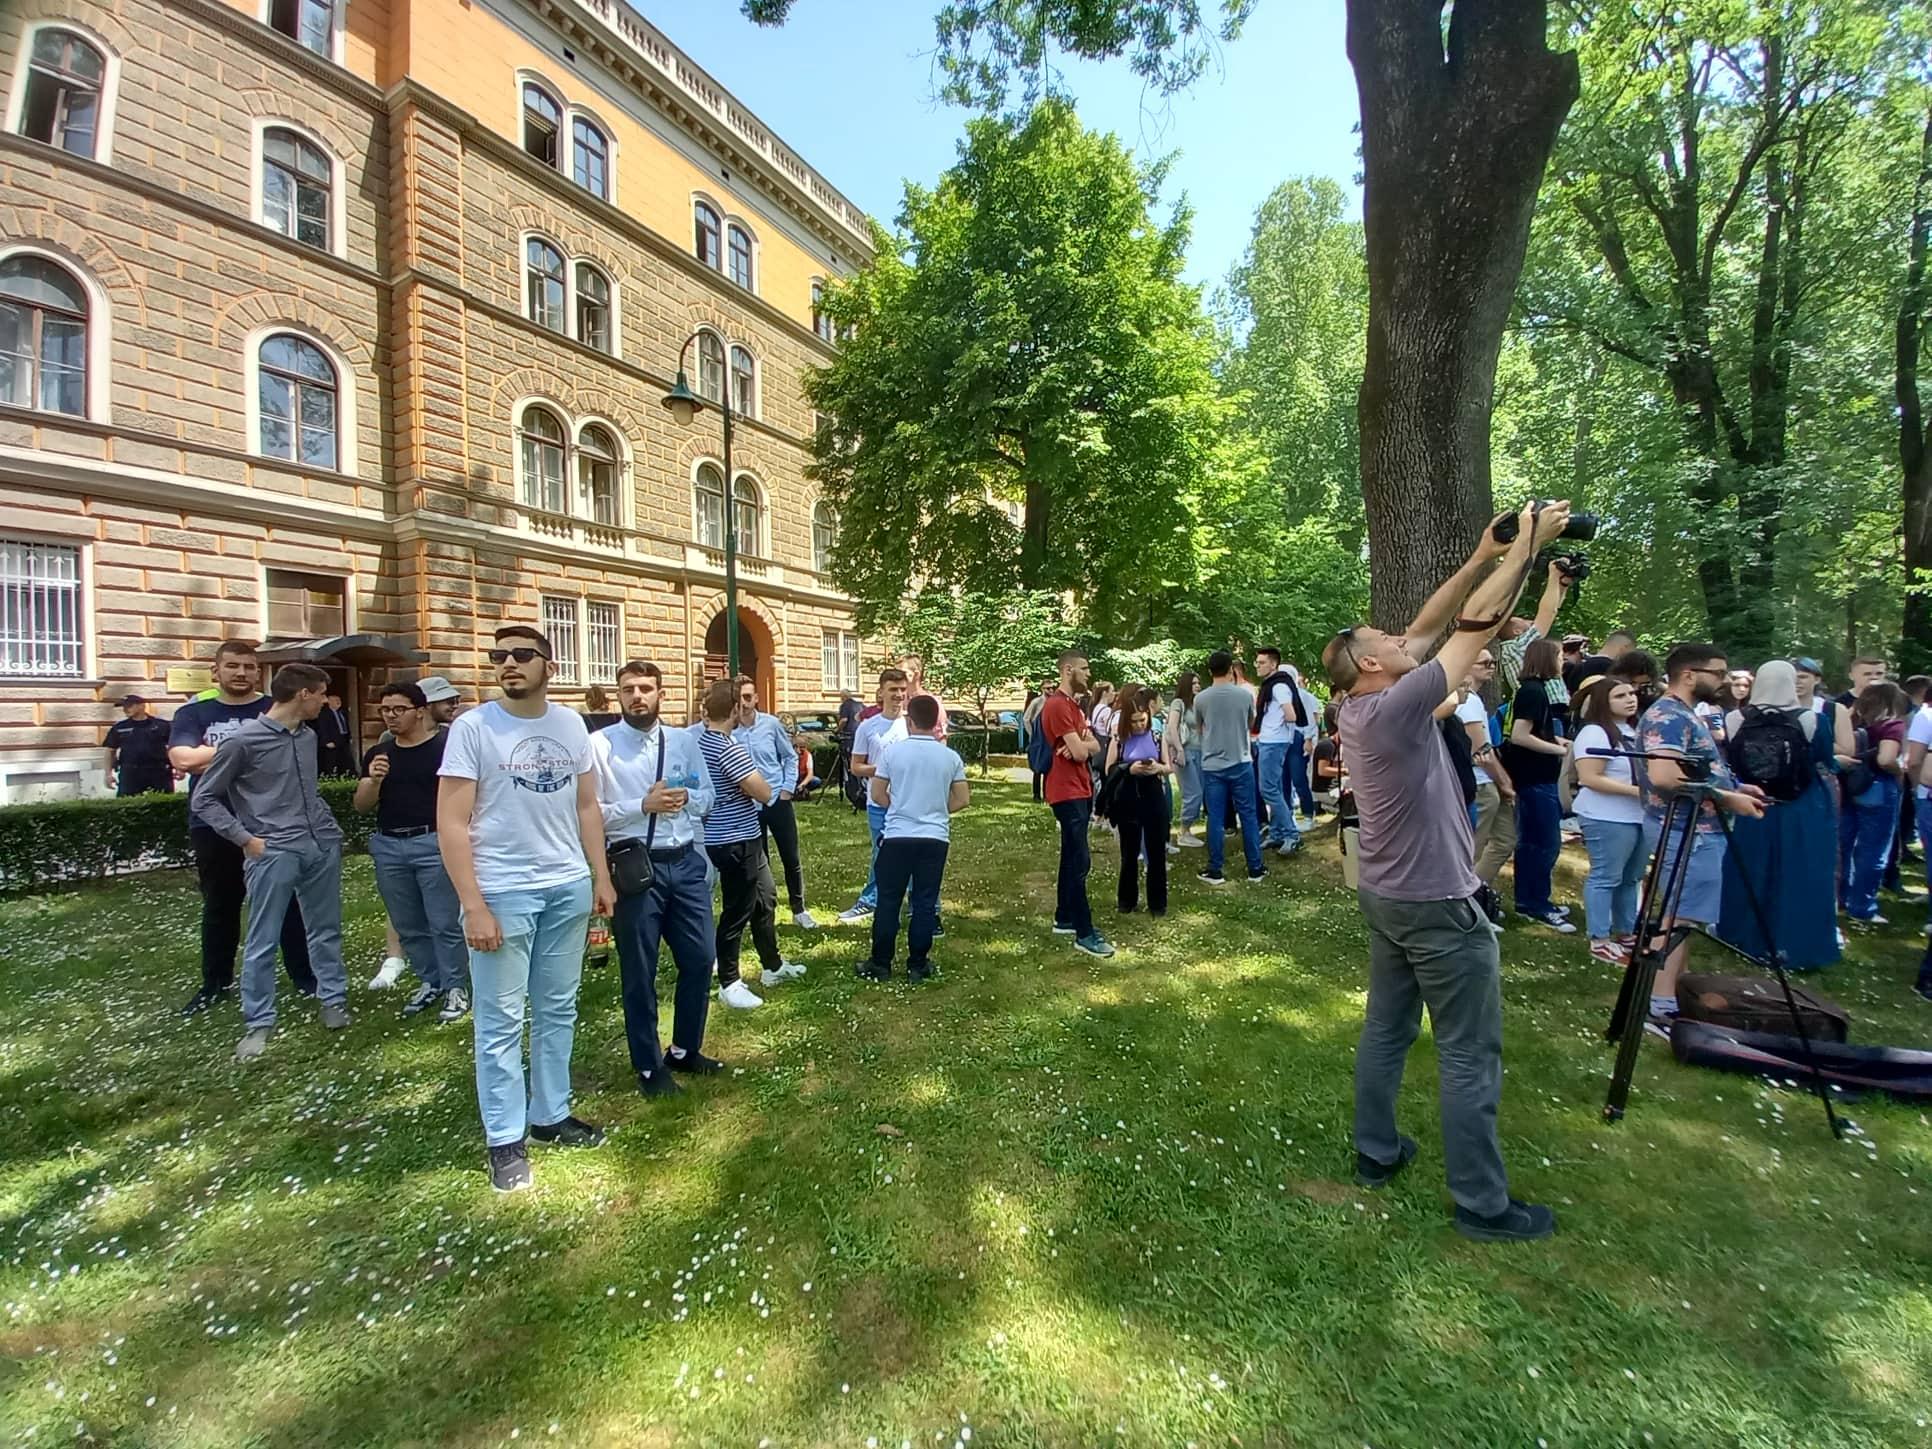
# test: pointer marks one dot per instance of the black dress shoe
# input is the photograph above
(866, 971)
(658, 1084)
(1372, 1174)
(695, 1062)
(205, 998)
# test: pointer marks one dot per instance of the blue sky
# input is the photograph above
(848, 84)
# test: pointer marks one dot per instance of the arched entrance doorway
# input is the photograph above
(754, 654)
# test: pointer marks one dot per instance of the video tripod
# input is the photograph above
(1659, 904)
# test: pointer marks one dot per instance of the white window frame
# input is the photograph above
(569, 282)
(616, 348)
(110, 85)
(346, 386)
(524, 493)
(592, 664)
(567, 149)
(570, 664)
(583, 508)
(258, 129)
(837, 679)
(274, 566)
(698, 465)
(823, 328)
(83, 642)
(749, 486)
(822, 564)
(724, 253)
(337, 9)
(100, 342)
(757, 408)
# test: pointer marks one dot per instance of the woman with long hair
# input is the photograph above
(1533, 752)
(1871, 815)
(1787, 860)
(1100, 707)
(1612, 812)
(1139, 806)
(1184, 754)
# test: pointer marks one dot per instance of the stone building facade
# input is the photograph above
(345, 325)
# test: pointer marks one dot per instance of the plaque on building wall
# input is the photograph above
(189, 679)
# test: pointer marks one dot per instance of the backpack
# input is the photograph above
(1039, 746)
(1769, 750)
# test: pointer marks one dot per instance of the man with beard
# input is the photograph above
(522, 837)
(654, 793)
(1069, 794)
(1694, 675)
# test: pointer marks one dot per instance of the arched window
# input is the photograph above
(543, 271)
(296, 180)
(821, 324)
(706, 221)
(708, 505)
(711, 366)
(62, 107)
(738, 256)
(744, 389)
(597, 470)
(747, 504)
(297, 391)
(589, 158)
(593, 308)
(43, 337)
(542, 119)
(541, 437)
(825, 535)
(309, 23)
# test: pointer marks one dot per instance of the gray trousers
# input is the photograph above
(310, 873)
(1495, 831)
(1442, 954)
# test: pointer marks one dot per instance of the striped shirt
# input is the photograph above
(734, 814)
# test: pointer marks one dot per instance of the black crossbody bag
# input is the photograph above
(630, 860)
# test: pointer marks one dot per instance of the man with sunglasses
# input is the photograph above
(1429, 943)
(522, 837)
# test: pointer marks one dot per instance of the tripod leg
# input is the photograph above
(1662, 893)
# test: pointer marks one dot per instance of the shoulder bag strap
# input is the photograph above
(650, 831)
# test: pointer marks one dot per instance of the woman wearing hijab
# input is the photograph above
(1790, 857)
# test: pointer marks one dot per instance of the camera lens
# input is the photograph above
(1582, 526)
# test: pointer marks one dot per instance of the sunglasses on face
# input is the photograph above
(522, 655)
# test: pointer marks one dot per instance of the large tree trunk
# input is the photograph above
(1914, 444)
(1455, 139)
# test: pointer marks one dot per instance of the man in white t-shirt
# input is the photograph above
(876, 734)
(919, 782)
(522, 838)
(1279, 718)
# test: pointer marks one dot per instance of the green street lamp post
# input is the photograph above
(684, 405)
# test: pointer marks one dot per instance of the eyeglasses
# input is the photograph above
(521, 655)
(388, 709)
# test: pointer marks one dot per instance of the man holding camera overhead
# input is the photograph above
(1428, 939)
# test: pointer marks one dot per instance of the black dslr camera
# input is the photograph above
(1575, 567)
(1582, 526)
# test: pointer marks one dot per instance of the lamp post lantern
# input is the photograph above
(684, 405)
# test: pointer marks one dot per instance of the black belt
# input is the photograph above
(408, 832)
(670, 854)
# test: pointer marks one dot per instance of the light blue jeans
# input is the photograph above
(311, 874)
(1191, 790)
(1274, 777)
(542, 956)
(423, 908)
(875, 818)
(1617, 863)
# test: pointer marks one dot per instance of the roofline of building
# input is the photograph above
(639, 52)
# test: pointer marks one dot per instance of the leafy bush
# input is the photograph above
(64, 842)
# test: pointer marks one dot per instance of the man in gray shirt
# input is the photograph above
(1428, 941)
(1222, 714)
(259, 793)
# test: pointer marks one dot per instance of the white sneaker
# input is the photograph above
(1288, 847)
(739, 995)
(456, 1005)
(855, 914)
(392, 970)
(803, 920)
(1173, 848)
(1193, 842)
(787, 971)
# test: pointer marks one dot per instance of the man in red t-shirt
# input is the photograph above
(1069, 791)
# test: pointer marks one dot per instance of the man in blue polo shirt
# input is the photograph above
(734, 840)
(919, 782)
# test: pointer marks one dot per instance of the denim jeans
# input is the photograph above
(1070, 907)
(224, 890)
(542, 957)
(1441, 954)
(310, 874)
(1220, 787)
(1539, 840)
(1617, 863)
(1273, 759)
(917, 863)
(1298, 775)
(1873, 820)
(423, 908)
(1190, 788)
(875, 817)
(675, 911)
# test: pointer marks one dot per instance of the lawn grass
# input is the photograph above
(1043, 1200)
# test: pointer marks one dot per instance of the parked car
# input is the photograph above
(1007, 719)
(963, 719)
(816, 722)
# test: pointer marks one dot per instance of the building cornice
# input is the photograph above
(318, 68)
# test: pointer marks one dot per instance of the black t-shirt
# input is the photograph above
(143, 744)
(1546, 722)
(408, 798)
(1328, 753)
(209, 722)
